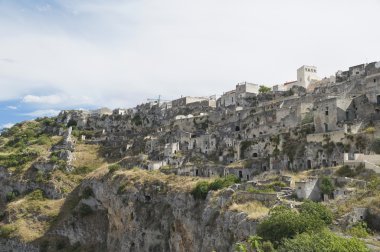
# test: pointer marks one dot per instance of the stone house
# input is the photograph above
(171, 149)
(183, 101)
(308, 189)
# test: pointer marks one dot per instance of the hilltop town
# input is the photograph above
(196, 173)
(306, 124)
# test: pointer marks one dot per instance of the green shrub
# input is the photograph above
(317, 210)
(264, 190)
(10, 196)
(283, 222)
(327, 186)
(324, 240)
(6, 231)
(43, 140)
(241, 247)
(37, 195)
(201, 190)
(359, 230)
(113, 168)
(203, 187)
(347, 171)
(18, 159)
(267, 246)
(137, 120)
(82, 170)
(227, 181)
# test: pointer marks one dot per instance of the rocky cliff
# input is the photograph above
(141, 211)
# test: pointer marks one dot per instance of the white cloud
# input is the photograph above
(43, 112)
(12, 107)
(6, 126)
(48, 99)
(118, 53)
(62, 100)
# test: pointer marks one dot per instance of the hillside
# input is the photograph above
(268, 170)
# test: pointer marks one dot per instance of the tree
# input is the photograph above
(264, 89)
(327, 186)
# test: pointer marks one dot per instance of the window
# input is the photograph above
(374, 80)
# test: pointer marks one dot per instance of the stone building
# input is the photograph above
(308, 189)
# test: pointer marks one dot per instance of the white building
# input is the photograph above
(306, 75)
(244, 88)
(228, 99)
(235, 97)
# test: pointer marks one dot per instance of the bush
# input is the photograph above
(254, 243)
(203, 187)
(359, 230)
(18, 159)
(347, 171)
(37, 195)
(285, 223)
(220, 183)
(6, 231)
(264, 89)
(43, 140)
(201, 190)
(82, 170)
(10, 196)
(327, 186)
(113, 168)
(322, 241)
(267, 246)
(317, 210)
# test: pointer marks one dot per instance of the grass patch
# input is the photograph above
(32, 215)
(255, 210)
(87, 158)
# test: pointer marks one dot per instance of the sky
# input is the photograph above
(85, 54)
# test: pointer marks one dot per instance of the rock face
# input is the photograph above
(7, 245)
(124, 215)
(21, 186)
